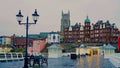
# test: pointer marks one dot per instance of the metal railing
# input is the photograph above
(10, 56)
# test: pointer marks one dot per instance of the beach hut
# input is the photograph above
(108, 49)
(54, 51)
(81, 50)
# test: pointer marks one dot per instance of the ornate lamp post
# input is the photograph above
(19, 19)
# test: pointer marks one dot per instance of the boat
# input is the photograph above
(11, 56)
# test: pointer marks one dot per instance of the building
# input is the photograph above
(5, 49)
(5, 40)
(34, 36)
(41, 35)
(108, 49)
(82, 50)
(38, 46)
(53, 37)
(65, 21)
(54, 51)
(99, 32)
(44, 34)
(20, 42)
(88, 50)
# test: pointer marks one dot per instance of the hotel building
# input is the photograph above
(104, 32)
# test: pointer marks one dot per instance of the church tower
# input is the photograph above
(65, 21)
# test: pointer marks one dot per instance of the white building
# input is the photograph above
(53, 37)
(54, 51)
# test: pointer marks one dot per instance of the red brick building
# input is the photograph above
(99, 32)
(21, 42)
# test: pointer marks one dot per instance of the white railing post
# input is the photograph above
(5, 57)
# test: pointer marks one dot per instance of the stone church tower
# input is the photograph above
(65, 21)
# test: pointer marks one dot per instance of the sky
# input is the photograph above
(50, 14)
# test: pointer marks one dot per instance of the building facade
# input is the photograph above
(54, 51)
(20, 42)
(65, 21)
(98, 32)
(53, 37)
(38, 46)
(5, 40)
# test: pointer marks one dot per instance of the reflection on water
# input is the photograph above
(66, 62)
(88, 62)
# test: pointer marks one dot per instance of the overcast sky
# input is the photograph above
(50, 13)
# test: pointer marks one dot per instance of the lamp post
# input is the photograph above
(19, 19)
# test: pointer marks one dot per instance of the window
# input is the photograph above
(69, 36)
(54, 37)
(81, 32)
(65, 32)
(70, 32)
(75, 32)
(97, 31)
(58, 37)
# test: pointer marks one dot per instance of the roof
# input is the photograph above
(82, 27)
(87, 20)
(70, 28)
(107, 22)
(112, 25)
(82, 46)
(54, 46)
(92, 27)
(54, 33)
(109, 46)
(99, 22)
(34, 35)
(5, 37)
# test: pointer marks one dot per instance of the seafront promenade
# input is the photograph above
(66, 62)
(114, 59)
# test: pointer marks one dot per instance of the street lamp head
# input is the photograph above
(35, 16)
(19, 16)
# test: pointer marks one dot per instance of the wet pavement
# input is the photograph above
(66, 62)
(93, 62)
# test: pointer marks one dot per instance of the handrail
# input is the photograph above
(5, 58)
